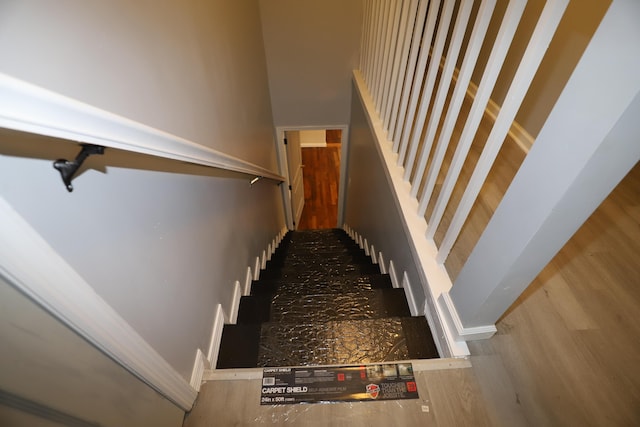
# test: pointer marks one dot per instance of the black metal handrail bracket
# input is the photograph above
(68, 168)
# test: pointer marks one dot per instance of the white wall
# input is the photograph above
(45, 363)
(312, 47)
(161, 242)
(313, 138)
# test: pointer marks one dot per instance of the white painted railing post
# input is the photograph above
(587, 145)
(418, 26)
(489, 77)
(538, 44)
(423, 57)
(428, 84)
(478, 33)
(404, 45)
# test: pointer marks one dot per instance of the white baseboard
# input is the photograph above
(313, 145)
(374, 258)
(247, 282)
(216, 336)
(199, 366)
(393, 275)
(383, 266)
(235, 302)
(256, 269)
(411, 301)
(454, 323)
(263, 262)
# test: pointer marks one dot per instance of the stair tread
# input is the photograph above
(320, 270)
(336, 342)
(296, 257)
(319, 285)
(303, 308)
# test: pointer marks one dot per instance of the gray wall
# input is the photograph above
(45, 363)
(312, 47)
(371, 208)
(161, 242)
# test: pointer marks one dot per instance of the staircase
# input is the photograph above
(321, 301)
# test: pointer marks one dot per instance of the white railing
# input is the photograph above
(417, 62)
(410, 49)
(29, 108)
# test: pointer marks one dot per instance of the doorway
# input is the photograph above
(322, 152)
(321, 174)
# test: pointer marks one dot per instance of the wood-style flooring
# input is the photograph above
(567, 353)
(449, 396)
(321, 176)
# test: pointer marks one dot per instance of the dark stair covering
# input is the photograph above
(321, 301)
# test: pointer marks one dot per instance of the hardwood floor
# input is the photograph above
(449, 396)
(321, 177)
(569, 348)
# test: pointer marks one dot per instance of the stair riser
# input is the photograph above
(320, 285)
(322, 308)
(331, 343)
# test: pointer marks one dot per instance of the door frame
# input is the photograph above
(284, 168)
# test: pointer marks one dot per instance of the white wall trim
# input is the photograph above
(419, 365)
(247, 282)
(283, 233)
(29, 108)
(235, 302)
(406, 285)
(282, 160)
(454, 324)
(33, 267)
(344, 174)
(372, 251)
(383, 267)
(393, 275)
(256, 269)
(199, 366)
(313, 145)
(216, 336)
(263, 262)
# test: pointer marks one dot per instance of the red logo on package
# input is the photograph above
(373, 390)
(411, 386)
(340, 377)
